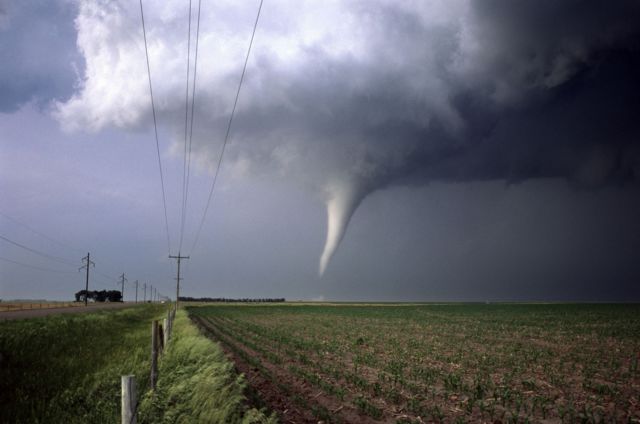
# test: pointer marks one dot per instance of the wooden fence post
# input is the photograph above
(128, 399)
(170, 322)
(160, 338)
(165, 326)
(154, 354)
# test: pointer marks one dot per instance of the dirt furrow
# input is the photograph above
(292, 398)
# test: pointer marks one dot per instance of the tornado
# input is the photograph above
(342, 201)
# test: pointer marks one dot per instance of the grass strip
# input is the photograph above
(67, 368)
(197, 383)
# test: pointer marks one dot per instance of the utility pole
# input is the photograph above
(136, 291)
(179, 257)
(144, 298)
(122, 279)
(87, 264)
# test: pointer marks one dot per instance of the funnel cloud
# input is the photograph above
(342, 200)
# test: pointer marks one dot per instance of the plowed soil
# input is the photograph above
(277, 389)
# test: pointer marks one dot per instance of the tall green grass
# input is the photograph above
(197, 384)
(67, 368)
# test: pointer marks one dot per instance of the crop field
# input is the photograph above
(435, 362)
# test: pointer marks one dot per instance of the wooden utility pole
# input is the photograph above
(136, 291)
(87, 264)
(151, 294)
(122, 279)
(144, 298)
(179, 257)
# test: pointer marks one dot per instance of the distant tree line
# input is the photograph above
(99, 296)
(224, 299)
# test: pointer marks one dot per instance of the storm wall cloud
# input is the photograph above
(347, 98)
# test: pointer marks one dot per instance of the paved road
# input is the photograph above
(34, 313)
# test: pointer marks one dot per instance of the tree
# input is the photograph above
(99, 296)
(80, 296)
(114, 296)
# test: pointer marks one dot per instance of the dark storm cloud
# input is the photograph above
(552, 91)
(38, 52)
(351, 97)
(585, 130)
(535, 90)
(557, 97)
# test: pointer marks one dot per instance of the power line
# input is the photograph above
(226, 137)
(50, 257)
(186, 121)
(123, 279)
(105, 278)
(179, 258)
(43, 254)
(108, 265)
(109, 277)
(37, 252)
(87, 265)
(36, 267)
(193, 101)
(155, 127)
(51, 239)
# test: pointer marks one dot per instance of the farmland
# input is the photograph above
(435, 362)
(67, 368)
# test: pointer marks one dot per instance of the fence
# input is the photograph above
(160, 337)
(18, 306)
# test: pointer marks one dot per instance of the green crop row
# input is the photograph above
(512, 362)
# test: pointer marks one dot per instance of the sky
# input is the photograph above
(380, 150)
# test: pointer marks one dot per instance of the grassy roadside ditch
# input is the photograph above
(197, 383)
(67, 368)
